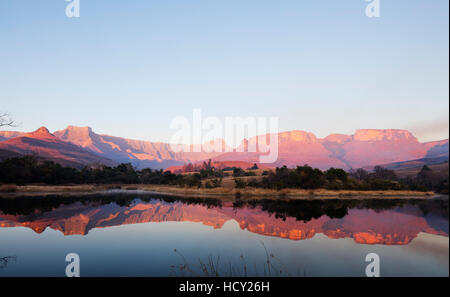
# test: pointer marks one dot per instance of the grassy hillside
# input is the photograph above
(440, 169)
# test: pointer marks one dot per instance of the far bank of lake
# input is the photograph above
(219, 193)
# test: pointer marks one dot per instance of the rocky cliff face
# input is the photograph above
(365, 148)
(5, 135)
(48, 147)
(374, 147)
(122, 150)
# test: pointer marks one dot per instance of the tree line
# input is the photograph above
(306, 177)
(27, 170)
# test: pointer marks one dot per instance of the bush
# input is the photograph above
(254, 183)
(443, 187)
(208, 185)
(193, 180)
(336, 174)
(240, 183)
(238, 172)
(216, 182)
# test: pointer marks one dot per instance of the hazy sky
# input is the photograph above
(127, 68)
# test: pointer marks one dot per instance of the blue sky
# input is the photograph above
(127, 68)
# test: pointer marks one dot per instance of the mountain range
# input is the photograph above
(79, 146)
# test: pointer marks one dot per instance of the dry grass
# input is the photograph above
(59, 189)
(439, 169)
(271, 266)
(226, 192)
(8, 188)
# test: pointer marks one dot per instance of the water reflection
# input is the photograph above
(387, 222)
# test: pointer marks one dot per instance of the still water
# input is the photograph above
(148, 235)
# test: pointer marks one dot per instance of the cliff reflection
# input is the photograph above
(377, 221)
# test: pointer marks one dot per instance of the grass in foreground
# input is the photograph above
(5, 260)
(214, 267)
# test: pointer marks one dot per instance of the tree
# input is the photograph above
(333, 174)
(5, 120)
(359, 174)
(254, 167)
(237, 171)
(426, 177)
(240, 183)
(207, 165)
(383, 173)
(188, 167)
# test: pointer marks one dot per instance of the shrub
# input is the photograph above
(216, 182)
(240, 183)
(254, 183)
(238, 172)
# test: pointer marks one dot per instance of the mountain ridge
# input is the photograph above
(47, 146)
(366, 147)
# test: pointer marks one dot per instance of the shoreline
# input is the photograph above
(218, 193)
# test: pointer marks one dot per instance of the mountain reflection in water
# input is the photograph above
(376, 221)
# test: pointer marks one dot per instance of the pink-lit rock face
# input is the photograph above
(338, 138)
(367, 147)
(386, 135)
(297, 136)
(397, 226)
(294, 148)
(4, 135)
(42, 133)
(140, 153)
(374, 147)
(48, 146)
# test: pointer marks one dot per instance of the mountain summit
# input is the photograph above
(42, 132)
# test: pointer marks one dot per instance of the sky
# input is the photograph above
(128, 68)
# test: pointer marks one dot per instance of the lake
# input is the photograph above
(137, 234)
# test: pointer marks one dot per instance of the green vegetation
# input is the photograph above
(240, 183)
(305, 177)
(28, 170)
(239, 172)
